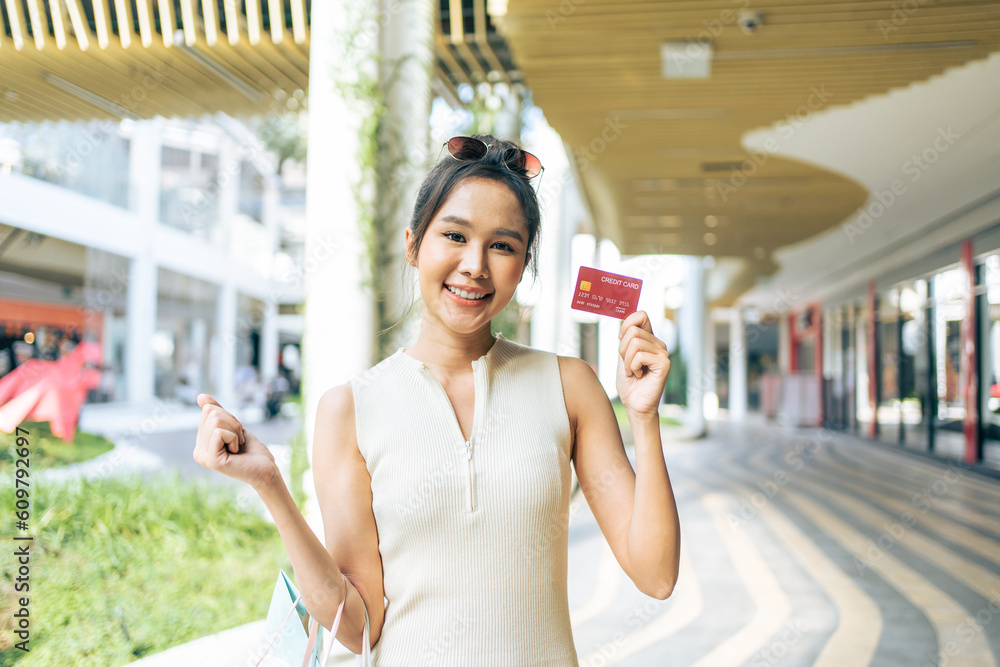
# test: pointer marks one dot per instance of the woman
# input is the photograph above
(442, 473)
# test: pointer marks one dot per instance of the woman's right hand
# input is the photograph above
(222, 444)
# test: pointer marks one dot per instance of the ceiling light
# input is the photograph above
(87, 96)
(686, 60)
(850, 50)
(217, 69)
(668, 114)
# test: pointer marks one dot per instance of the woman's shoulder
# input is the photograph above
(371, 375)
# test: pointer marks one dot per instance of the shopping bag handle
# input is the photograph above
(314, 633)
(366, 658)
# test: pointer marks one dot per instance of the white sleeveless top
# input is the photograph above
(472, 534)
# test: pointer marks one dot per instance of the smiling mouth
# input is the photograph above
(471, 296)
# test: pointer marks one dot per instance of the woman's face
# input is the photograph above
(476, 242)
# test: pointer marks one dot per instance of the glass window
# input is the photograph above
(990, 349)
(887, 330)
(863, 408)
(950, 410)
(189, 191)
(915, 377)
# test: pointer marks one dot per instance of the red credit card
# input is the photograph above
(606, 293)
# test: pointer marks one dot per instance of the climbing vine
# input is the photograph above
(362, 78)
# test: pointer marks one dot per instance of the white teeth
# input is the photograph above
(464, 294)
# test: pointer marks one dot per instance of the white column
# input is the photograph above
(407, 59)
(269, 342)
(337, 340)
(229, 191)
(269, 323)
(694, 318)
(710, 370)
(144, 188)
(548, 321)
(224, 347)
(784, 345)
(737, 366)
(269, 216)
(144, 171)
(141, 324)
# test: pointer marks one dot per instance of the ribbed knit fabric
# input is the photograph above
(474, 575)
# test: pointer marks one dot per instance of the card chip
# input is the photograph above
(585, 285)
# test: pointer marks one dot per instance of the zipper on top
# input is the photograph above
(468, 465)
(467, 445)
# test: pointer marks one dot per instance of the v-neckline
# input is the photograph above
(479, 389)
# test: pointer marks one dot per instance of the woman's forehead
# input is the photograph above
(482, 202)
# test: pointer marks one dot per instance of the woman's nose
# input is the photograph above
(474, 262)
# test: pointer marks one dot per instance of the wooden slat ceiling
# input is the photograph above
(86, 59)
(655, 184)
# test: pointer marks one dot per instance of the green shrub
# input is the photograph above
(122, 568)
(48, 451)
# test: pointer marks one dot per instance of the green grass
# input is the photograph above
(619, 408)
(123, 568)
(48, 451)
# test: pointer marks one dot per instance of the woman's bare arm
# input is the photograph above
(635, 510)
(343, 489)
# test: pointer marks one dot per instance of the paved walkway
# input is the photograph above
(799, 548)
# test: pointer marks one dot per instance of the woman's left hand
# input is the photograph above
(643, 365)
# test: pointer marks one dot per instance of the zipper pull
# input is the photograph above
(468, 460)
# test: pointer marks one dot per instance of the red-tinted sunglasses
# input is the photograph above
(470, 149)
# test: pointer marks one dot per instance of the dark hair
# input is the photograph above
(449, 172)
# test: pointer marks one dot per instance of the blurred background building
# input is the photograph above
(808, 191)
(171, 242)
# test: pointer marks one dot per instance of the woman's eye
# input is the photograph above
(506, 246)
(451, 234)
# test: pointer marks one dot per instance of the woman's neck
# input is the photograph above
(447, 351)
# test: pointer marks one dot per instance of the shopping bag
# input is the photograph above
(293, 639)
(286, 635)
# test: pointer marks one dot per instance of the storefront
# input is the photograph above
(893, 365)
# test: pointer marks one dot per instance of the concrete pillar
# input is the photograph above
(335, 346)
(269, 342)
(269, 213)
(508, 117)
(694, 324)
(737, 366)
(229, 192)
(710, 370)
(269, 322)
(784, 345)
(141, 324)
(144, 171)
(144, 188)
(224, 347)
(407, 59)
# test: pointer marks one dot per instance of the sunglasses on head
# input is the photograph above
(470, 149)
